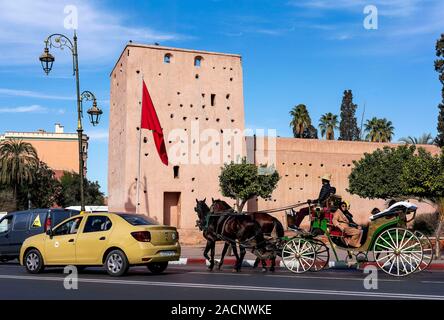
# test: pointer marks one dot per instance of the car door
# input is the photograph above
(5, 234)
(93, 240)
(60, 247)
(20, 231)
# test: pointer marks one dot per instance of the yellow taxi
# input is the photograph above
(114, 240)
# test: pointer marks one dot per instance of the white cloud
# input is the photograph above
(98, 134)
(394, 8)
(24, 24)
(32, 94)
(35, 108)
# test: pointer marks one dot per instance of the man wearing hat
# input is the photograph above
(324, 194)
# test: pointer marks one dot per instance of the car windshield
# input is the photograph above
(138, 220)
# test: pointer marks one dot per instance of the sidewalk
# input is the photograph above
(194, 255)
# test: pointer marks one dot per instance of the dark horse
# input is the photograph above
(267, 222)
(211, 237)
(231, 228)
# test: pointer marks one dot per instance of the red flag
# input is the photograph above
(149, 120)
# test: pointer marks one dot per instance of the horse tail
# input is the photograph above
(278, 228)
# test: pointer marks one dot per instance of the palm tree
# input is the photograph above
(426, 138)
(300, 120)
(18, 160)
(379, 130)
(328, 124)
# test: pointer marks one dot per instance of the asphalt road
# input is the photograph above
(195, 282)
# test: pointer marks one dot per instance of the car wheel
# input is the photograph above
(34, 261)
(116, 263)
(157, 267)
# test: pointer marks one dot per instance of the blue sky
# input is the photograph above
(294, 51)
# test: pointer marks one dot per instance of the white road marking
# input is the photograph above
(330, 278)
(221, 274)
(233, 287)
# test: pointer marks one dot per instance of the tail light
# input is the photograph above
(48, 224)
(142, 236)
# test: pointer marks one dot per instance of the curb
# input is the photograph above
(338, 265)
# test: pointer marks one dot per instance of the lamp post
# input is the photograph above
(61, 41)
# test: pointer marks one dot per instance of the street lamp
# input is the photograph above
(60, 41)
(94, 112)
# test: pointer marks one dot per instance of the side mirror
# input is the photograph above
(49, 233)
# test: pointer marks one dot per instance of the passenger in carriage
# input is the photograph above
(343, 220)
(324, 194)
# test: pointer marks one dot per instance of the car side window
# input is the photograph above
(97, 224)
(6, 224)
(21, 222)
(37, 220)
(69, 227)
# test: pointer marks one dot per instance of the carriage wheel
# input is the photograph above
(427, 250)
(298, 255)
(398, 252)
(322, 255)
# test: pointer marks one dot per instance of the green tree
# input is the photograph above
(378, 175)
(401, 173)
(348, 127)
(328, 123)
(44, 190)
(7, 201)
(18, 161)
(310, 133)
(243, 181)
(439, 67)
(423, 178)
(379, 130)
(426, 138)
(300, 120)
(70, 192)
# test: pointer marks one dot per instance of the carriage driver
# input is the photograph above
(324, 194)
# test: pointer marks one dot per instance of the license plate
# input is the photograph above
(167, 253)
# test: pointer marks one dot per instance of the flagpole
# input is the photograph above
(139, 152)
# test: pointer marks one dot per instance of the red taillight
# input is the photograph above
(47, 224)
(142, 236)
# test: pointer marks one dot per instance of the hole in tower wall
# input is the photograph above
(197, 76)
(213, 99)
(176, 172)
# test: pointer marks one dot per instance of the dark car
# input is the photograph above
(17, 226)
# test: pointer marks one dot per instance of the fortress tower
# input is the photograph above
(189, 89)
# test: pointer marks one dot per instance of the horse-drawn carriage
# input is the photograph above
(386, 241)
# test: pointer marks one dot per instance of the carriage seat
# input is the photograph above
(328, 213)
(394, 210)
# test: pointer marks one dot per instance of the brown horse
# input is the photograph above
(231, 228)
(211, 237)
(267, 222)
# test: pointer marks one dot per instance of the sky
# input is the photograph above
(293, 51)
